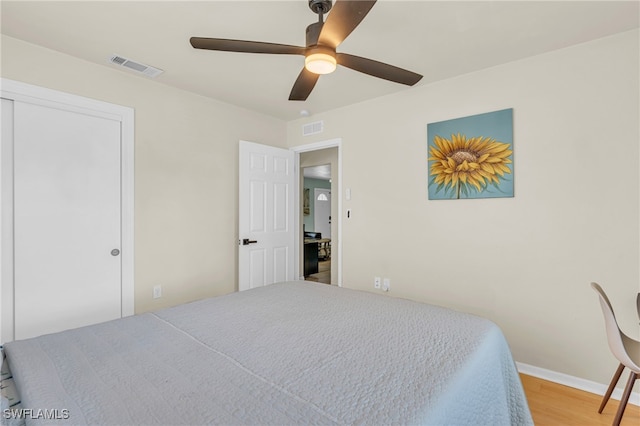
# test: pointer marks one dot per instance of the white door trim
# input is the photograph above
(331, 143)
(18, 91)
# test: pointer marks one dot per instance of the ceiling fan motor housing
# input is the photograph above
(320, 6)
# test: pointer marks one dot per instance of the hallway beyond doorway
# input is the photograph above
(324, 273)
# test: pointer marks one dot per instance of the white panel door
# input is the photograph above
(266, 231)
(66, 219)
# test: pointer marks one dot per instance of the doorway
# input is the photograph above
(312, 154)
(317, 235)
(321, 163)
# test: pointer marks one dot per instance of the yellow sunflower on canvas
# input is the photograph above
(459, 162)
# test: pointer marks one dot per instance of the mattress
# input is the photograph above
(289, 353)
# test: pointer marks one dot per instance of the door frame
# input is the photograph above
(19, 91)
(331, 143)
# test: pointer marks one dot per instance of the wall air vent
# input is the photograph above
(312, 128)
(135, 66)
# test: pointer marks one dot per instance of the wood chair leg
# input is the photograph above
(625, 398)
(612, 385)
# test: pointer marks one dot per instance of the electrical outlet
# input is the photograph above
(157, 292)
(376, 282)
(386, 284)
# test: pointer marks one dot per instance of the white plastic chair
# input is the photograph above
(624, 348)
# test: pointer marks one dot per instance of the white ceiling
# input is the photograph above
(436, 39)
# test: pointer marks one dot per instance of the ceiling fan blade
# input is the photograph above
(343, 18)
(303, 85)
(245, 46)
(378, 69)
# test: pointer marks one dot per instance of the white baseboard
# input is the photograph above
(578, 383)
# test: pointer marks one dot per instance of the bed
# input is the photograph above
(289, 353)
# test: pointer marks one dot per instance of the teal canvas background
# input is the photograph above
(497, 125)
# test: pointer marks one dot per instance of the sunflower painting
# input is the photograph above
(471, 157)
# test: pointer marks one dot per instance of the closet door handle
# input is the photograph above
(115, 252)
(246, 242)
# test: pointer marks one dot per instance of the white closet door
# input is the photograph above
(66, 219)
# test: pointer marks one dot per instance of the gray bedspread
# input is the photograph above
(289, 353)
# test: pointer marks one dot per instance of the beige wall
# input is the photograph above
(524, 262)
(186, 156)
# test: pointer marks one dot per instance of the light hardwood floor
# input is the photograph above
(552, 404)
(324, 273)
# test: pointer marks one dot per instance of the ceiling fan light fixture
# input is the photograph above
(320, 62)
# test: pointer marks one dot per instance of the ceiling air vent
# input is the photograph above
(135, 66)
(312, 128)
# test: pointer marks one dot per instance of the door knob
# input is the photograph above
(115, 252)
(246, 242)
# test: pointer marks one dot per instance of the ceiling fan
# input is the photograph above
(320, 52)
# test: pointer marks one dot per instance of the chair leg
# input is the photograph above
(612, 385)
(625, 397)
